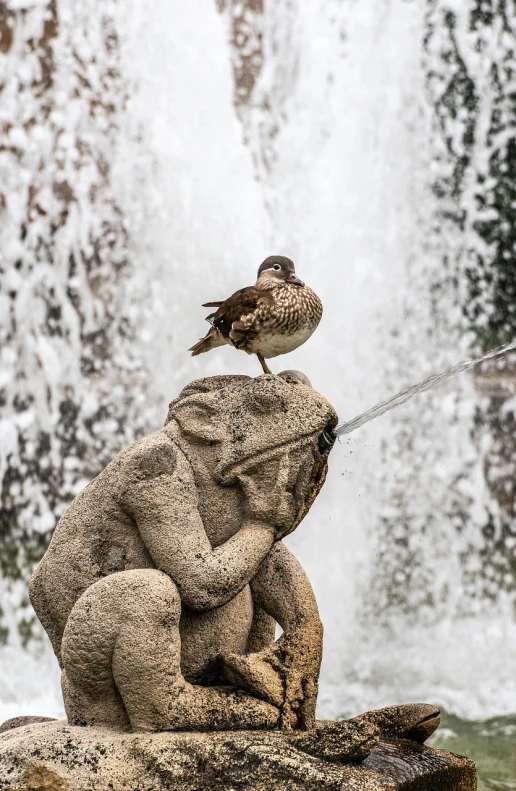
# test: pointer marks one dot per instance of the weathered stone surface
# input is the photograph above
(18, 722)
(161, 590)
(165, 576)
(57, 757)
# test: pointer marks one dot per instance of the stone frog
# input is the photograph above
(166, 576)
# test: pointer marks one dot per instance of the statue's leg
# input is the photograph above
(204, 636)
(287, 670)
(251, 669)
(263, 631)
(52, 612)
(122, 648)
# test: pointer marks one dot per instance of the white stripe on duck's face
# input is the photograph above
(271, 276)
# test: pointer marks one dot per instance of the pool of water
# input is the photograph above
(490, 743)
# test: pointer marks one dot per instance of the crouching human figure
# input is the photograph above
(166, 576)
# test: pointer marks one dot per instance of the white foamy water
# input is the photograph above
(29, 681)
(30, 684)
(345, 197)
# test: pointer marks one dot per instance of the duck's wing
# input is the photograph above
(235, 315)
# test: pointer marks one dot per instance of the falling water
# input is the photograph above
(421, 387)
(326, 161)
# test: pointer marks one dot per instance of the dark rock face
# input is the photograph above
(58, 757)
(413, 766)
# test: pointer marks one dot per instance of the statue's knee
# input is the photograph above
(151, 595)
(140, 598)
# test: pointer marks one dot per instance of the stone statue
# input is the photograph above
(166, 576)
(161, 592)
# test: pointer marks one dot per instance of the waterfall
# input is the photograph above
(242, 129)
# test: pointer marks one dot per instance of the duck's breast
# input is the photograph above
(272, 345)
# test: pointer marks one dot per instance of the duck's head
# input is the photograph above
(277, 269)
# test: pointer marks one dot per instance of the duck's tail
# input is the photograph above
(209, 342)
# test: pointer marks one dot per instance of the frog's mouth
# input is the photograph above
(309, 445)
(327, 439)
(227, 473)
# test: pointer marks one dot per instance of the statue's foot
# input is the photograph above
(255, 674)
(284, 674)
(414, 721)
(349, 741)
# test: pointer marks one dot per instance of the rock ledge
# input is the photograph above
(57, 757)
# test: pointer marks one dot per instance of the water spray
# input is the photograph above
(421, 387)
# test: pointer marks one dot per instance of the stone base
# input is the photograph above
(53, 756)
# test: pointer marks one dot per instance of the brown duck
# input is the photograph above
(273, 317)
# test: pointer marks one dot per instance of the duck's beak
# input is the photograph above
(293, 278)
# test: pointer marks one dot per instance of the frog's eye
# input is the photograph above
(277, 267)
(266, 402)
(327, 439)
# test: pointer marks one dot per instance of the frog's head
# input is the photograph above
(255, 423)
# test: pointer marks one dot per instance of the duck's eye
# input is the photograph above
(277, 267)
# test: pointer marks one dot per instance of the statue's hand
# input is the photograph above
(267, 499)
(285, 674)
(298, 660)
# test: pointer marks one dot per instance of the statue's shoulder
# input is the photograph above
(151, 456)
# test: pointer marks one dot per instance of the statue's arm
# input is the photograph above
(161, 497)
(282, 588)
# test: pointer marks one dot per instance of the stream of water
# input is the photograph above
(421, 387)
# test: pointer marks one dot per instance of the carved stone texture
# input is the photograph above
(18, 722)
(59, 757)
(161, 591)
(165, 578)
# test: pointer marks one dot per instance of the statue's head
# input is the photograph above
(255, 423)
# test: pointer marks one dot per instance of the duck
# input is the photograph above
(275, 316)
